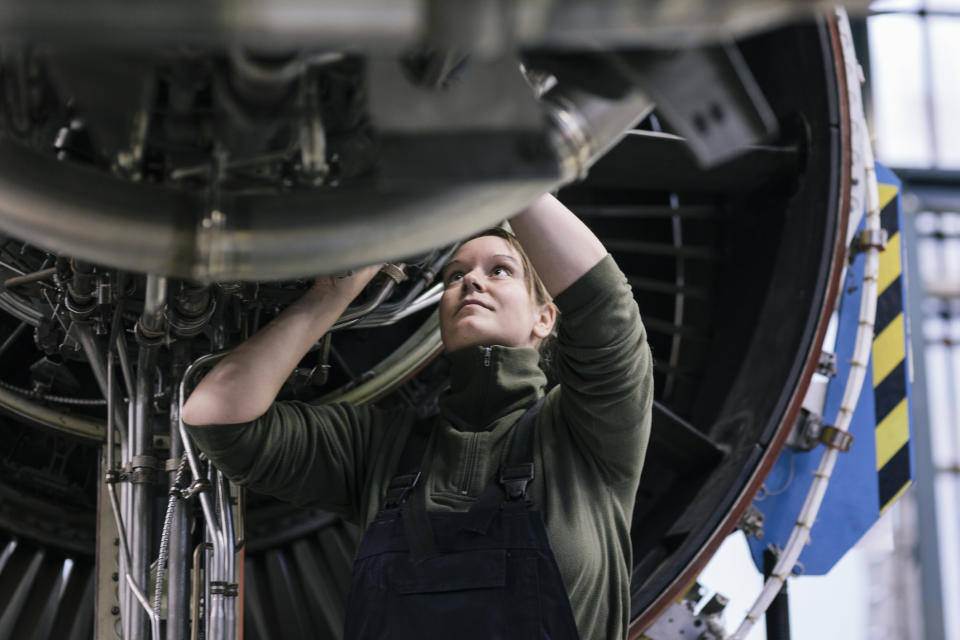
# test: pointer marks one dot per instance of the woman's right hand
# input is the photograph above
(354, 280)
(243, 385)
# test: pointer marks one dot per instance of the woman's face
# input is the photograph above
(485, 299)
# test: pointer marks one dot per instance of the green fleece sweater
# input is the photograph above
(590, 441)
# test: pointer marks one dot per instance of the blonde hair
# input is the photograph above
(535, 286)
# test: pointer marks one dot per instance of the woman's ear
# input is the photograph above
(545, 319)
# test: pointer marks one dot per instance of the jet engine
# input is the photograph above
(172, 177)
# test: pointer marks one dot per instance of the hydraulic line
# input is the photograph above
(118, 520)
(220, 612)
(214, 595)
(86, 339)
(29, 278)
(429, 298)
(195, 590)
(149, 326)
(352, 316)
(214, 528)
(178, 571)
(110, 461)
(228, 598)
(121, 346)
(390, 311)
(165, 535)
(13, 337)
(800, 535)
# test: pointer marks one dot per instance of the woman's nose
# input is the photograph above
(472, 281)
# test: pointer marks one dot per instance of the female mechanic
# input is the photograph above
(464, 538)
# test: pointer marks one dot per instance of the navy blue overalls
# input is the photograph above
(488, 573)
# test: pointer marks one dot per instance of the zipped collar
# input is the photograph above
(487, 383)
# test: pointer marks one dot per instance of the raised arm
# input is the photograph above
(603, 361)
(559, 245)
(243, 385)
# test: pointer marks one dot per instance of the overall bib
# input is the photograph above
(488, 573)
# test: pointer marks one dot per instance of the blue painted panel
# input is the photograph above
(851, 504)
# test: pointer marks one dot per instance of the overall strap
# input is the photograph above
(510, 485)
(408, 469)
(413, 504)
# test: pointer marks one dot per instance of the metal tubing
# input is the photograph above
(142, 446)
(36, 276)
(387, 314)
(178, 619)
(110, 413)
(129, 585)
(154, 300)
(145, 604)
(195, 590)
(125, 365)
(85, 336)
(229, 558)
(86, 339)
(427, 299)
(214, 608)
(142, 505)
(104, 377)
(351, 316)
(13, 337)
(214, 528)
(126, 497)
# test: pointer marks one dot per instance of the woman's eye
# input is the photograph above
(453, 276)
(501, 270)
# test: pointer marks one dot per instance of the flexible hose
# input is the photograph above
(82, 402)
(165, 535)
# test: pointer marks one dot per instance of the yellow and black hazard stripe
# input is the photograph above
(890, 362)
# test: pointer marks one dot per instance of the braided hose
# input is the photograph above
(165, 534)
(82, 402)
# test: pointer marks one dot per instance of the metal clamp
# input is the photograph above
(147, 337)
(187, 326)
(78, 310)
(394, 271)
(872, 239)
(197, 486)
(751, 522)
(228, 589)
(145, 462)
(142, 476)
(835, 438)
(827, 364)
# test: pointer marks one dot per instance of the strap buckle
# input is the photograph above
(515, 479)
(399, 489)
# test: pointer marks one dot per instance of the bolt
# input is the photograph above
(115, 610)
(115, 577)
